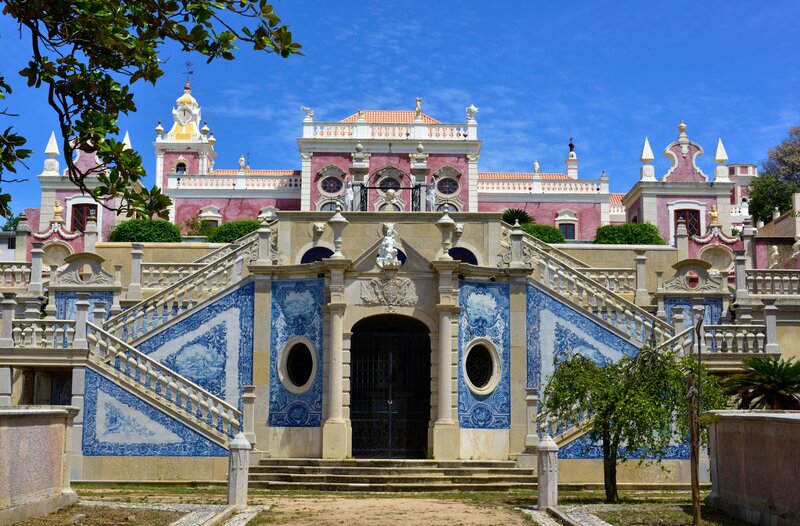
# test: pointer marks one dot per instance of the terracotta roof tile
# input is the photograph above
(390, 117)
(257, 172)
(521, 175)
(616, 199)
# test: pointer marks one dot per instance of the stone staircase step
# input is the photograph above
(345, 470)
(416, 488)
(388, 479)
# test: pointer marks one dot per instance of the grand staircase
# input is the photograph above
(390, 475)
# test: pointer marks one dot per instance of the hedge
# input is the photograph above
(546, 233)
(230, 232)
(146, 231)
(629, 234)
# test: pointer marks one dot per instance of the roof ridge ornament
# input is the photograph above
(648, 171)
(721, 157)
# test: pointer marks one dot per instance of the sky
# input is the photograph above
(607, 74)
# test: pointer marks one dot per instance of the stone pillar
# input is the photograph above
(5, 386)
(678, 318)
(116, 308)
(445, 429)
(337, 222)
(99, 313)
(248, 413)
(532, 407)
(66, 488)
(135, 286)
(76, 440)
(661, 313)
(740, 268)
(446, 226)
(37, 256)
(682, 240)
(23, 231)
(770, 322)
(8, 306)
(334, 430)
(81, 317)
(749, 238)
(445, 380)
(547, 471)
(516, 246)
(238, 471)
(90, 235)
(265, 245)
(642, 296)
(50, 310)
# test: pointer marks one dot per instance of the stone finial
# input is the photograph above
(205, 129)
(51, 150)
(647, 171)
(159, 129)
(721, 155)
(420, 148)
(536, 167)
(241, 163)
(359, 147)
(126, 142)
(471, 111)
(647, 156)
(682, 129)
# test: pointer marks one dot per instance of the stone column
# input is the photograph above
(445, 428)
(248, 414)
(23, 231)
(8, 306)
(642, 295)
(444, 399)
(5, 386)
(660, 313)
(81, 317)
(90, 235)
(516, 246)
(238, 471)
(771, 326)
(334, 430)
(682, 240)
(66, 488)
(135, 286)
(698, 312)
(116, 308)
(678, 319)
(99, 313)
(76, 439)
(37, 256)
(749, 238)
(265, 245)
(740, 268)
(547, 471)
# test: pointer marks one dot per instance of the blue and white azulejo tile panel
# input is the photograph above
(212, 347)
(556, 332)
(485, 313)
(118, 423)
(65, 303)
(296, 312)
(586, 448)
(711, 316)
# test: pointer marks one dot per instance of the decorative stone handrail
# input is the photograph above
(773, 281)
(130, 367)
(615, 279)
(571, 284)
(563, 432)
(680, 344)
(736, 339)
(160, 275)
(15, 274)
(230, 247)
(182, 295)
(616, 210)
(234, 182)
(554, 252)
(529, 185)
(43, 334)
(411, 131)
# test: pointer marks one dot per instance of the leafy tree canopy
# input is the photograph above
(639, 404)
(779, 179)
(88, 53)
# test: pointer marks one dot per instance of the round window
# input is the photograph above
(481, 369)
(331, 185)
(389, 183)
(297, 367)
(447, 186)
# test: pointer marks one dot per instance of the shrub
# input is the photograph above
(146, 231)
(230, 232)
(629, 234)
(546, 233)
(194, 226)
(512, 215)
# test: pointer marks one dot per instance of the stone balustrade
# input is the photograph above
(736, 339)
(182, 295)
(223, 251)
(160, 275)
(615, 279)
(529, 185)
(43, 334)
(234, 182)
(130, 366)
(390, 131)
(772, 281)
(14, 274)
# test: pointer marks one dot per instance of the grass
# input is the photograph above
(103, 516)
(664, 515)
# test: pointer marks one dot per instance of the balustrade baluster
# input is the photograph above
(729, 343)
(761, 340)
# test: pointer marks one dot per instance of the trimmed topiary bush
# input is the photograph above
(512, 215)
(230, 232)
(146, 231)
(629, 234)
(546, 233)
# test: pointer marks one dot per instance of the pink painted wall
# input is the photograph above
(685, 171)
(232, 209)
(635, 210)
(379, 161)
(171, 159)
(320, 161)
(437, 161)
(664, 218)
(545, 214)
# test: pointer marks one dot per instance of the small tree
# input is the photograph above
(767, 383)
(638, 404)
(768, 192)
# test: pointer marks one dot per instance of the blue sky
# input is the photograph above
(606, 74)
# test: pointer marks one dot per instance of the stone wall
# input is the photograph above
(34, 478)
(755, 459)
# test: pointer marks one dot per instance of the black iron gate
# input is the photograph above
(416, 196)
(390, 394)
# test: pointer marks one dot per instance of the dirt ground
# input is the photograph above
(376, 511)
(102, 516)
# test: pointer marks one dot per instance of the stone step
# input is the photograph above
(398, 487)
(388, 463)
(345, 470)
(432, 478)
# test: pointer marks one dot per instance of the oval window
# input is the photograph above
(479, 366)
(447, 186)
(299, 365)
(331, 185)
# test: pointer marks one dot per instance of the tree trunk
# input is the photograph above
(609, 467)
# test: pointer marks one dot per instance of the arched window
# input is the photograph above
(316, 254)
(329, 206)
(463, 255)
(180, 168)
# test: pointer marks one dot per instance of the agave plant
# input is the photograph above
(512, 215)
(767, 383)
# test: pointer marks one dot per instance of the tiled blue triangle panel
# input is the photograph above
(212, 347)
(485, 313)
(556, 331)
(118, 423)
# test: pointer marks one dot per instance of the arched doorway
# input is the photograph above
(390, 387)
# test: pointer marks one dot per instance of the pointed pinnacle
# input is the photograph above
(52, 146)
(647, 153)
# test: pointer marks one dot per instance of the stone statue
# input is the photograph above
(387, 253)
(714, 216)
(418, 110)
(774, 257)
(536, 166)
(308, 111)
(57, 209)
(348, 196)
(796, 245)
(241, 163)
(471, 111)
(431, 196)
(390, 197)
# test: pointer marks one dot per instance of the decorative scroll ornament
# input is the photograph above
(389, 291)
(715, 232)
(693, 278)
(71, 274)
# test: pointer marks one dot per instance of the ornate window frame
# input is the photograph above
(568, 217)
(283, 373)
(180, 160)
(83, 200)
(331, 171)
(685, 205)
(497, 371)
(388, 172)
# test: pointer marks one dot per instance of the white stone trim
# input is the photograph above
(283, 356)
(496, 365)
(685, 205)
(83, 200)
